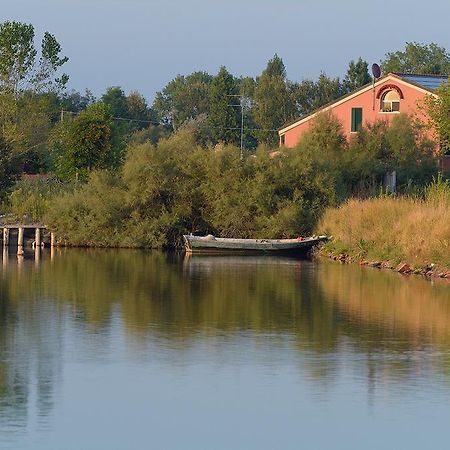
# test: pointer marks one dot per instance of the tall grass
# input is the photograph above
(30, 199)
(416, 230)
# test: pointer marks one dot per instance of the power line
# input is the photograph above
(126, 119)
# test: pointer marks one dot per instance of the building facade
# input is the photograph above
(390, 95)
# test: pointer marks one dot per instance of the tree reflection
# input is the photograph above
(327, 311)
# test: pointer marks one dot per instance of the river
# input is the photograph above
(106, 349)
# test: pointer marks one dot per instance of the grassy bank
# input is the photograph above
(415, 230)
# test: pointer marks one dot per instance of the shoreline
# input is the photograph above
(428, 271)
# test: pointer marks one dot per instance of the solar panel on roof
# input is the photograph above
(430, 82)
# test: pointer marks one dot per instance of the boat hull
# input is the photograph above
(219, 246)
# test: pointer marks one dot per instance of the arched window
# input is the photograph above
(390, 101)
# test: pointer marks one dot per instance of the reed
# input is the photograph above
(416, 230)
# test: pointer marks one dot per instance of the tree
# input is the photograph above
(418, 58)
(28, 93)
(357, 75)
(76, 102)
(19, 68)
(9, 165)
(224, 109)
(438, 108)
(184, 98)
(308, 96)
(138, 111)
(89, 142)
(273, 105)
(116, 99)
(304, 96)
(327, 89)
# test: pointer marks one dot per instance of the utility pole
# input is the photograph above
(241, 101)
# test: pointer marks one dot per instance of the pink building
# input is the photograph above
(390, 95)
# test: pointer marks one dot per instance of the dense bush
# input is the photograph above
(178, 187)
(360, 164)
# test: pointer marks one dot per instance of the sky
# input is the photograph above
(143, 44)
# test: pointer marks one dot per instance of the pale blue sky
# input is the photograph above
(143, 44)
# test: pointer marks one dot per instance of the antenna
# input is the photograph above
(376, 72)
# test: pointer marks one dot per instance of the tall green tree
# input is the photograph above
(76, 102)
(357, 75)
(139, 111)
(224, 109)
(88, 142)
(418, 58)
(29, 84)
(116, 100)
(19, 66)
(304, 97)
(327, 89)
(273, 104)
(184, 98)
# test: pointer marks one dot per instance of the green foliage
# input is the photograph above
(27, 99)
(139, 112)
(116, 100)
(328, 90)
(19, 68)
(30, 199)
(89, 142)
(224, 109)
(9, 166)
(357, 75)
(184, 98)
(438, 108)
(49, 64)
(273, 105)
(17, 53)
(308, 96)
(360, 165)
(75, 102)
(92, 214)
(438, 192)
(132, 107)
(177, 187)
(418, 58)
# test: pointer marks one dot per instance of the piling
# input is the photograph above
(37, 238)
(5, 237)
(20, 242)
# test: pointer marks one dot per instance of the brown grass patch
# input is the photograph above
(396, 229)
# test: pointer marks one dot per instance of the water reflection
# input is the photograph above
(380, 329)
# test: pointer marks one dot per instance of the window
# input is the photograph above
(282, 140)
(356, 119)
(390, 101)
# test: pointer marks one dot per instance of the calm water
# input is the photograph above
(131, 350)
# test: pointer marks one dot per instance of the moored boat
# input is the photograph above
(215, 245)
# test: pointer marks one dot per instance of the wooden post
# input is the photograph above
(5, 256)
(37, 238)
(52, 240)
(5, 237)
(37, 244)
(20, 241)
(37, 255)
